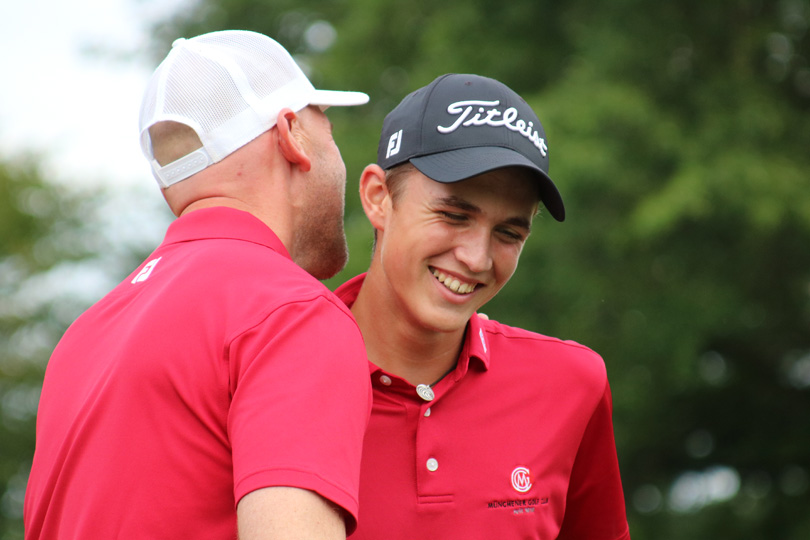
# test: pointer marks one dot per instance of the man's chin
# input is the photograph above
(446, 323)
(329, 264)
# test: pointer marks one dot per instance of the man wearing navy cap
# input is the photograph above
(478, 429)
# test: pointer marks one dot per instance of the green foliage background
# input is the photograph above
(679, 136)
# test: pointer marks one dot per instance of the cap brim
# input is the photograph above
(338, 98)
(456, 165)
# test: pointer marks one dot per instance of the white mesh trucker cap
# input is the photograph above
(229, 87)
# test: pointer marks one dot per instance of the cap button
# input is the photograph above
(178, 41)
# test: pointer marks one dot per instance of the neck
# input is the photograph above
(242, 181)
(401, 346)
(212, 202)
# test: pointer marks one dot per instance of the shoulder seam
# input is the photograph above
(534, 336)
(325, 295)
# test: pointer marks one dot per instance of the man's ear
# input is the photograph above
(374, 195)
(292, 150)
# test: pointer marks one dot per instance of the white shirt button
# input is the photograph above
(427, 411)
(432, 464)
(385, 379)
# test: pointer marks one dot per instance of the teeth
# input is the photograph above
(453, 284)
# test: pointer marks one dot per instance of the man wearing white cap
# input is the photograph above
(220, 386)
(478, 430)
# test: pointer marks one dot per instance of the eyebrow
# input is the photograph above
(462, 204)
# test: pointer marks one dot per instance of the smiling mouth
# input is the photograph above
(452, 283)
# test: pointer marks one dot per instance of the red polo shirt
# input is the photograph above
(217, 368)
(517, 443)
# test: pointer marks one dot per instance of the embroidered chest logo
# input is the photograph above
(144, 274)
(521, 479)
(521, 482)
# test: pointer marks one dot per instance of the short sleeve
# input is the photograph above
(595, 508)
(300, 403)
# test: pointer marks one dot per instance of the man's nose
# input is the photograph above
(475, 250)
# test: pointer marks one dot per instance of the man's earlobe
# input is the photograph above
(291, 148)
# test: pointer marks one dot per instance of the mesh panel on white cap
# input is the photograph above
(229, 87)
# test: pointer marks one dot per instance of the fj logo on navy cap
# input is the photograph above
(393, 144)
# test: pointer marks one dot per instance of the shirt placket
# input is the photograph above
(433, 484)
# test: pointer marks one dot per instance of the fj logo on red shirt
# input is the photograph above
(144, 274)
(521, 479)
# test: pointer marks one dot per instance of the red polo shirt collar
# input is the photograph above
(224, 222)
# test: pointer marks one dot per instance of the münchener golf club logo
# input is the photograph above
(521, 479)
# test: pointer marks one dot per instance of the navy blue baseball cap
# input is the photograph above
(460, 126)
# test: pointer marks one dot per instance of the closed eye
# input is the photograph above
(453, 216)
(511, 235)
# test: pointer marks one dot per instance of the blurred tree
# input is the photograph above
(60, 250)
(42, 238)
(679, 136)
